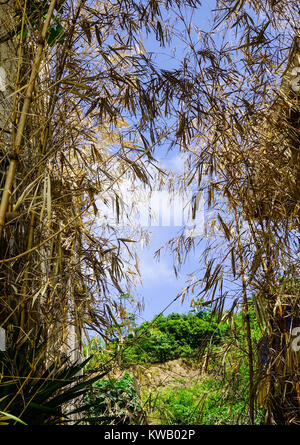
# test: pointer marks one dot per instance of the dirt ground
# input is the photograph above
(175, 372)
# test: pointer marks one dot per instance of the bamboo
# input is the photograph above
(248, 326)
(23, 118)
(25, 283)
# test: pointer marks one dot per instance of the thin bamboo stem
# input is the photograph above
(248, 326)
(23, 118)
(70, 222)
(25, 285)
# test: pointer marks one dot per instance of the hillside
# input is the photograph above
(207, 384)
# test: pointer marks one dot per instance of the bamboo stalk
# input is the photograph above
(70, 222)
(23, 118)
(25, 284)
(248, 326)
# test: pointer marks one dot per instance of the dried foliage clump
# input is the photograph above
(79, 102)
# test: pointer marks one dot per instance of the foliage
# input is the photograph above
(99, 354)
(36, 11)
(170, 337)
(178, 405)
(242, 154)
(162, 339)
(39, 393)
(220, 395)
(116, 398)
(206, 402)
(79, 113)
(79, 116)
(5, 417)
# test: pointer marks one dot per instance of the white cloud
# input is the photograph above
(176, 163)
(156, 271)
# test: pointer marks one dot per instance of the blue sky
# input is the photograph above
(159, 284)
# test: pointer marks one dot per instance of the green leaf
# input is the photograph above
(10, 416)
(25, 33)
(56, 34)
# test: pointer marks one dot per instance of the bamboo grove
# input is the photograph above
(71, 77)
(245, 158)
(82, 105)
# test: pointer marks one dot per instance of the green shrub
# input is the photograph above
(178, 405)
(172, 337)
(116, 398)
(219, 398)
(208, 401)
